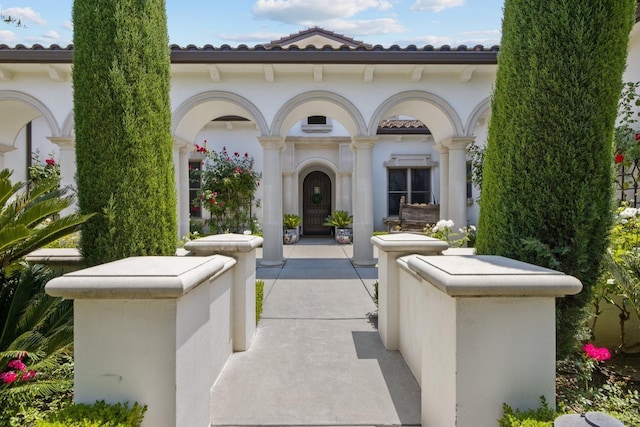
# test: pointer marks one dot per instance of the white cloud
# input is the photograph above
(49, 38)
(486, 38)
(67, 25)
(302, 11)
(24, 14)
(250, 38)
(365, 27)
(436, 5)
(8, 38)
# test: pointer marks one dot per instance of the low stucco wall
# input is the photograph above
(153, 330)
(607, 332)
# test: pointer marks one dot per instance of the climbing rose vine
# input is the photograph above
(228, 187)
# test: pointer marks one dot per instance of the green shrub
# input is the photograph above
(124, 147)
(540, 417)
(259, 298)
(99, 414)
(547, 168)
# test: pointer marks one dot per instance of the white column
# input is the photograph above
(67, 166)
(272, 200)
(458, 179)
(363, 200)
(444, 180)
(287, 193)
(182, 184)
(345, 192)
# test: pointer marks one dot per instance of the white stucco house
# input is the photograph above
(320, 112)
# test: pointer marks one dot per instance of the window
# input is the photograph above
(412, 183)
(469, 180)
(317, 120)
(194, 186)
(317, 124)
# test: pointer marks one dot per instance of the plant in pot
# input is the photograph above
(290, 223)
(342, 221)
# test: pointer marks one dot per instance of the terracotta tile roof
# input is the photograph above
(242, 54)
(313, 31)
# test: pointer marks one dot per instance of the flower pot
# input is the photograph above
(290, 236)
(344, 235)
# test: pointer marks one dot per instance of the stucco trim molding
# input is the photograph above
(11, 95)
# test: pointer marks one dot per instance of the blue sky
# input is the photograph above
(251, 22)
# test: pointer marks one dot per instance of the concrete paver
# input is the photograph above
(316, 358)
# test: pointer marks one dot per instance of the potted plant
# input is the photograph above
(290, 223)
(342, 221)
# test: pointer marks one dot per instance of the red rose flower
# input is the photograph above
(638, 136)
(50, 162)
(619, 158)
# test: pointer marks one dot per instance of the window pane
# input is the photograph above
(317, 120)
(420, 180)
(394, 203)
(422, 197)
(397, 180)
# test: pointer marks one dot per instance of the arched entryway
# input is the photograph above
(316, 203)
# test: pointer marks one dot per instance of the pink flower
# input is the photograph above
(28, 375)
(50, 162)
(236, 154)
(599, 354)
(8, 377)
(238, 170)
(246, 154)
(17, 364)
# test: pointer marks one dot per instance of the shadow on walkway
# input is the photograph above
(316, 358)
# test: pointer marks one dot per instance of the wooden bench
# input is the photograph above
(415, 217)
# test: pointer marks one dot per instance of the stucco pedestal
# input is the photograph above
(153, 330)
(486, 333)
(391, 247)
(243, 249)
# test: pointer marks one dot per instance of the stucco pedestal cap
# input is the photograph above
(488, 275)
(589, 419)
(409, 242)
(150, 277)
(218, 243)
(55, 255)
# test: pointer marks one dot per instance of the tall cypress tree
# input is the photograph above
(121, 78)
(547, 176)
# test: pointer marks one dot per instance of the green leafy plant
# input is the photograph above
(291, 221)
(259, 298)
(99, 414)
(540, 417)
(27, 215)
(339, 219)
(227, 191)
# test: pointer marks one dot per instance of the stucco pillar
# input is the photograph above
(458, 179)
(181, 162)
(287, 193)
(243, 249)
(444, 180)
(4, 148)
(363, 200)
(272, 200)
(345, 191)
(390, 248)
(67, 166)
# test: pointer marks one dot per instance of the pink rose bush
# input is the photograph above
(16, 371)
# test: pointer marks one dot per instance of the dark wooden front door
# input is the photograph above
(316, 204)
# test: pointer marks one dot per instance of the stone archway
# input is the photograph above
(316, 203)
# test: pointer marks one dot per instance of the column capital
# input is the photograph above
(63, 141)
(6, 148)
(458, 142)
(272, 142)
(359, 142)
(440, 148)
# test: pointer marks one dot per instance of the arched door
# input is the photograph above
(316, 203)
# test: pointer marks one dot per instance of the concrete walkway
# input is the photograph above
(317, 358)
